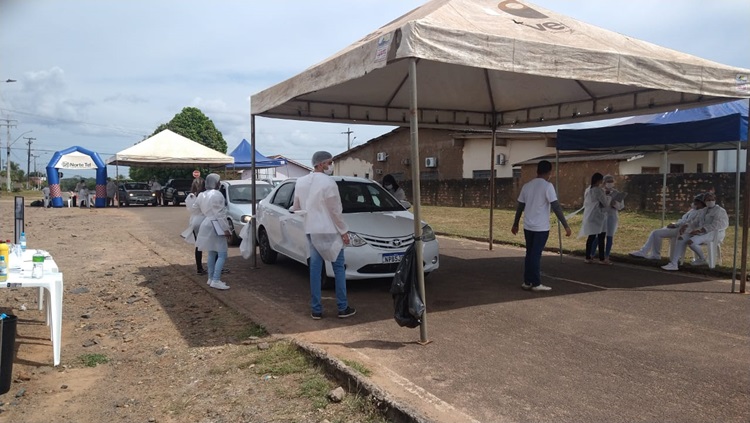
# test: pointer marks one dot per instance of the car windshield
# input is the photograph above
(136, 185)
(243, 193)
(359, 197)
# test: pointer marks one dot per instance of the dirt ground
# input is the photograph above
(126, 355)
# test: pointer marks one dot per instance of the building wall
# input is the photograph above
(362, 160)
(644, 191)
(477, 154)
(689, 159)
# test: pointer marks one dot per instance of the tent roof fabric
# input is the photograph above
(716, 127)
(491, 61)
(168, 149)
(243, 158)
(582, 157)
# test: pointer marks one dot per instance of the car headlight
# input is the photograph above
(246, 218)
(153, 194)
(427, 233)
(356, 240)
(130, 194)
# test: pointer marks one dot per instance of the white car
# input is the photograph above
(238, 197)
(380, 230)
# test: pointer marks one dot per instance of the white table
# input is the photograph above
(50, 292)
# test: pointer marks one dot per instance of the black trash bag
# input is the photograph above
(407, 303)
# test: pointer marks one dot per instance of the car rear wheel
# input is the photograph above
(267, 254)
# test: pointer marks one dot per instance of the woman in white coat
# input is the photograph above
(613, 214)
(594, 218)
(214, 230)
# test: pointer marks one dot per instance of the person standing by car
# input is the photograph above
(211, 205)
(111, 192)
(317, 198)
(537, 196)
(390, 184)
(155, 187)
(198, 185)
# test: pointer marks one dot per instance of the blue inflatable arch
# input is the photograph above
(59, 161)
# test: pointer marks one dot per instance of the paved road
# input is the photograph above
(616, 344)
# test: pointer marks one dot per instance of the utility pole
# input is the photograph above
(348, 133)
(28, 162)
(36, 175)
(8, 123)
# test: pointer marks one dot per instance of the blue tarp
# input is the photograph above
(715, 127)
(243, 158)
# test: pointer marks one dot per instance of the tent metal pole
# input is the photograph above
(737, 214)
(414, 137)
(664, 188)
(745, 212)
(117, 181)
(252, 188)
(492, 183)
(557, 191)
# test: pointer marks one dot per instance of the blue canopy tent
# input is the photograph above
(721, 126)
(243, 158)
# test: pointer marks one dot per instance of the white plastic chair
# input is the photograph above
(713, 246)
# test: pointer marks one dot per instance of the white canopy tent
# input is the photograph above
(168, 149)
(490, 64)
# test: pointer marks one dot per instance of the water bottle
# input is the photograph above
(22, 240)
(37, 271)
(3, 269)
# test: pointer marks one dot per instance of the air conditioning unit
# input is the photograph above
(405, 162)
(430, 162)
(501, 159)
(382, 156)
(378, 171)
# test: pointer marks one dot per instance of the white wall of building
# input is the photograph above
(289, 170)
(726, 160)
(354, 167)
(477, 155)
(689, 159)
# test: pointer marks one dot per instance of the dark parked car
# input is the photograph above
(176, 190)
(135, 193)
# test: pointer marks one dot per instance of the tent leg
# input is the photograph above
(745, 213)
(664, 189)
(737, 214)
(252, 188)
(492, 184)
(557, 190)
(117, 181)
(414, 137)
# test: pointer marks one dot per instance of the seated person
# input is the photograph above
(713, 218)
(652, 248)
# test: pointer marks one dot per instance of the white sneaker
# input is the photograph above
(699, 262)
(638, 253)
(540, 287)
(670, 266)
(208, 282)
(219, 285)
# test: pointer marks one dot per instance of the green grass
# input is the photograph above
(281, 359)
(358, 367)
(92, 360)
(252, 330)
(633, 229)
(315, 387)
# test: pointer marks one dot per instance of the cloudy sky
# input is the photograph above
(104, 74)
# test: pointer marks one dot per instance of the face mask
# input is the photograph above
(710, 204)
(389, 187)
(694, 207)
(609, 185)
(328, 170)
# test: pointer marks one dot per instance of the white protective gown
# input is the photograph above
(212, 207)
(594, 213)
(195, 220)
(316, 196)
(613, 214)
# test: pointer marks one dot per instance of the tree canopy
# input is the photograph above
(190, 123)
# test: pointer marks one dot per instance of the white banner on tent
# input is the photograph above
(76, 160)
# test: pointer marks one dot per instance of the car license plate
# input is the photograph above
(392, 257)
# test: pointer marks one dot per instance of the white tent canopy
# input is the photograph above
(487, 64)
(168, 149)
(485, 61)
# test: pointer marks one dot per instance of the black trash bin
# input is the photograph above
(7, 350)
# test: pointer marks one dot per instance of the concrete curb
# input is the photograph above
(353, 382)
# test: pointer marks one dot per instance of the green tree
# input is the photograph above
(191, 123)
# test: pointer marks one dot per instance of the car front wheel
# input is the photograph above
(235, 240)
(267, 254)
